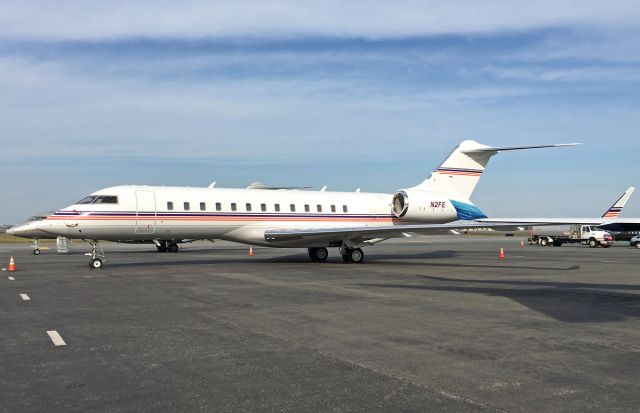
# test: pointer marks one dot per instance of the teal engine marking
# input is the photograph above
(467, 211)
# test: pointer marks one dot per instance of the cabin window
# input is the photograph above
(277, 207)
(170, 206)
(218, 206)
(319, 208)
(306, 208)
(263, 207)
(333, 208)
(234, 207)
(248, 207)
(293, 207)
(186, 206)
(345, 209)
(203, 206)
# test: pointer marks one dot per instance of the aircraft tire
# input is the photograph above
(36, 251)
(355, 256)
(95, 263)
(173, 248)
(318, 254)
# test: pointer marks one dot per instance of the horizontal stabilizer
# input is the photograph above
(516, 148)
(260, 185)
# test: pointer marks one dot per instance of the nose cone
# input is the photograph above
(28, 230)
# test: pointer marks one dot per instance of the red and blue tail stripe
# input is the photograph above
(612, 213)
(459, 171)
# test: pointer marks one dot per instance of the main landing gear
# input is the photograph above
(96, 254)
(349, 255)
(352, 255)
(167, 246)
(318, 254)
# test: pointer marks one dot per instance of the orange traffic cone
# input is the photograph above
(12, 265)
(501, 256)
(251, 251)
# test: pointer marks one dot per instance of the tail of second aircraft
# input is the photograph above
(617, 206)
(459, 174)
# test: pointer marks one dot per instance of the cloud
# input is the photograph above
(375, 19)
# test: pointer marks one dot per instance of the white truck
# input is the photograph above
(589, 235)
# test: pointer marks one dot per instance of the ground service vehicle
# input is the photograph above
(589, 235)
(635, 241)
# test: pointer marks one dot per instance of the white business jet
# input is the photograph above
(283, 218)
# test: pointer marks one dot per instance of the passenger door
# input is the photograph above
(145, 212)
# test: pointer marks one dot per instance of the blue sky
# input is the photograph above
(366, 94)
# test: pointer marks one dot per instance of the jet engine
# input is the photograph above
(422, 206)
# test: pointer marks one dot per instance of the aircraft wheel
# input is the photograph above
(318, 254)
(355, 256)
(172, 248)
(36, 251)
(95, 263)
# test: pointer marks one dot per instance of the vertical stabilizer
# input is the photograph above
(617, 206)
(459, 174)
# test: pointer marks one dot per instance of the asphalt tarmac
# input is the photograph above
(436, 324)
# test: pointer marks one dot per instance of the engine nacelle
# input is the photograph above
(422, 206)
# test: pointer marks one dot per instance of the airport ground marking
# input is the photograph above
(25, 297)
(11, 278)
(56, 338)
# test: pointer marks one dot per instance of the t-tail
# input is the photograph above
(617, 206)
(459, 174)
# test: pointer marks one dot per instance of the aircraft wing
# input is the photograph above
(543, 221)
(615, 224)
(381, 232)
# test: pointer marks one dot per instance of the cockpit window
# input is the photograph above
(87, 200)
(99, 199)
(106, 199)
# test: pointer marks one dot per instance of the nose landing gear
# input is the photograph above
(36, 247)
(96, 254)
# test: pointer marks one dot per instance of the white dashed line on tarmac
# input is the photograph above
(25, 297)
(56, 338)
(11, 278)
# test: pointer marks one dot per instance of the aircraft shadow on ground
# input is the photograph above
(566, 302)
(390, 260)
